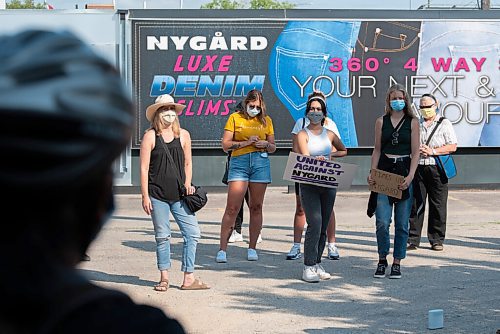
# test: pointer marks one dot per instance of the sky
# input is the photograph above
(300, 4)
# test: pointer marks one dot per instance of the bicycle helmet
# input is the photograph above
(65, 114)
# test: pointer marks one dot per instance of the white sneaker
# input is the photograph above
(252, 255)
(235, 237)
(221, 257)
(322, 272)
(294, 253)
(309, 274)
(259, 239)
(333, 252)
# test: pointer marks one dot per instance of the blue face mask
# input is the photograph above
(398, 105)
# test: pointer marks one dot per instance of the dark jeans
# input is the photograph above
(239, 218)
(434, 187)
(318, 205)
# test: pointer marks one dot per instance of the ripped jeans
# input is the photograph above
(188, 224)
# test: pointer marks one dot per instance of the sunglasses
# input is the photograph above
(252, 106)
(395, 136)
(423, 107)
(167, 108)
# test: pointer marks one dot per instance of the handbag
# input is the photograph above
(195, 201)
(226, 172)
(446, 165)
(445, 162)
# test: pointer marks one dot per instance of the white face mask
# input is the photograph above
(252, 112)
(168, 116)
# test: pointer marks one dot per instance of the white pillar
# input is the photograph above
(2, 4)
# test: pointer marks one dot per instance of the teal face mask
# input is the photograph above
(398, 105)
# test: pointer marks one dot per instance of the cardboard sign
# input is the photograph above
(386, 183)
(323, 173)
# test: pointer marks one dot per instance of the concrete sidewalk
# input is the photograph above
(268, 296)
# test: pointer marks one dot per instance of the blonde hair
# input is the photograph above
(157, 123)
(398, 88)
(255, 95)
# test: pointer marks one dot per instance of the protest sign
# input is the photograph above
(323, 173)
(386, 183)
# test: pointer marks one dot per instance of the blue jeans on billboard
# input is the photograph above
(383, 214)
(188, 224)
(303, 50)
(456, 40)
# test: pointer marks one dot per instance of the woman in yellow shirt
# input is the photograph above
(249, 134)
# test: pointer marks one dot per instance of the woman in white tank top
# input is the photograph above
(318, 142)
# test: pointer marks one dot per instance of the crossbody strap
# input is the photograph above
(433, 130)
(171, 161)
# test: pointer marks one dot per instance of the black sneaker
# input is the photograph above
(411, 247)
(395, 271)
(380, 273)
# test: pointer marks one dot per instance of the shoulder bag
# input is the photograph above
(195, 201)
(226, 172)
(444, 162)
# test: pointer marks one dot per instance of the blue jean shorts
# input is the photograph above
(251, 167)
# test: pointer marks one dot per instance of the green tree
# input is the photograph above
(270, 4)
(26, 4)
(222, 4)
(254, 4)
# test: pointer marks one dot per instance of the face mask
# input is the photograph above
(315, 116)
(398, 105)
(252, 112)
(168, 116)
(428, 112)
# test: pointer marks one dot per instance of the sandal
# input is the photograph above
(196, 285)
(162, 286)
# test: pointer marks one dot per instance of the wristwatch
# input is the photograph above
(434, 151)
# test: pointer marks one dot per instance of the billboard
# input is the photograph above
(210, 65)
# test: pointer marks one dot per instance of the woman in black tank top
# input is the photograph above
(397, 140)
(161, 193)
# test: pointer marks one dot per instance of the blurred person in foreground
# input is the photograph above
(66, 116)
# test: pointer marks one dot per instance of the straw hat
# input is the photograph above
(163, 101)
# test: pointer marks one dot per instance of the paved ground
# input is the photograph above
(268, 296)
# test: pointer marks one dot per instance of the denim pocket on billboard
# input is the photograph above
(300, 65)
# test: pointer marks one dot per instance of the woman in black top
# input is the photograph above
(396, 150)
(161, 191)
